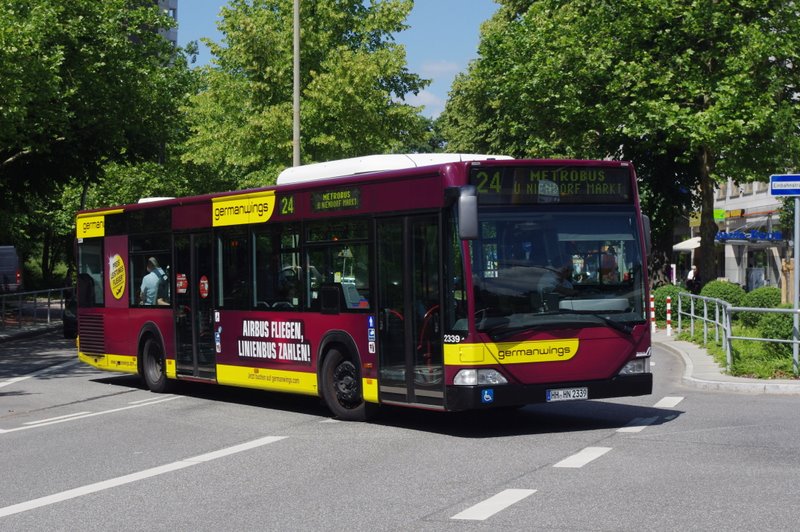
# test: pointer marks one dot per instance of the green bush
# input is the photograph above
(777, 327)
(724, 290)
(764, 297)
(660, 299)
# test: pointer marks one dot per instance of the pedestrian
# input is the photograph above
(693, 280)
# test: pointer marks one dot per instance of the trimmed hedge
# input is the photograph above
(777, 327)
(764, 297)
(724, 290)
(660, 300)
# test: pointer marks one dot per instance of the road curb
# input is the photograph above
(753, 388)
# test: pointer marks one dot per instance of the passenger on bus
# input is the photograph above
(151, 283)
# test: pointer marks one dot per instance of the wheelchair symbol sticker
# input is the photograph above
(487, 396)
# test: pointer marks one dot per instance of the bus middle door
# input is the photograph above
(410, 340)
(194, 312)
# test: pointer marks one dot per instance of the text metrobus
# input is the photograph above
(458, 284)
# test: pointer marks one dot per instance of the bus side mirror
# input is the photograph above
(648, 241)
(468, 213)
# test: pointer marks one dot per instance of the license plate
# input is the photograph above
(567, 394)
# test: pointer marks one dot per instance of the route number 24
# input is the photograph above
(487, 182)
(287, 205)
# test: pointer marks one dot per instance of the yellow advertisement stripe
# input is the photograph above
(558, 350)
(92, 224)
(123, 363)
(254, 207)
(268, 379)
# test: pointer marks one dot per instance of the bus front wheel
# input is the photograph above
(341, 387)
(153, 366)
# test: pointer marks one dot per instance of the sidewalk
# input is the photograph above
(27, 330)
(701, 371)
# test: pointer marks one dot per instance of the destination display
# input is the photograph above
(336, 200)
(552, 184)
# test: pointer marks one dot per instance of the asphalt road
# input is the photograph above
(85, 450)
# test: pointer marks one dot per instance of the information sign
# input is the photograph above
(784, 185)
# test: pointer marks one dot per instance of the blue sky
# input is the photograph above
(442, 39)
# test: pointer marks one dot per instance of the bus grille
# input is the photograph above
(90, 331)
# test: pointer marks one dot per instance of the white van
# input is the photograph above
(10, 271)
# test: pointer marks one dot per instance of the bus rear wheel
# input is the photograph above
(341, 387)
(154, 367)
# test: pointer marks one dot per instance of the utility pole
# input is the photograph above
(296, 91)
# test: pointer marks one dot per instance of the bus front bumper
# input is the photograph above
(476, 397)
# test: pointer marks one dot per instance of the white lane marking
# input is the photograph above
(90, 414)
(330, 420)
(133, 477)
(48, 369)
(669, 402)
(56, 418)
(150, 400)
(584, 457)
(9, 382)
(492, 505)
(638, 424)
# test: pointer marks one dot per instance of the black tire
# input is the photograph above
(154, 367)
(341, 387)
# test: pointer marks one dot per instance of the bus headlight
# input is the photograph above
(639, 365)
(475, 377)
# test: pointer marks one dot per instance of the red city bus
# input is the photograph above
(447, 283)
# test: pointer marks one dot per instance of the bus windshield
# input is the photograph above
(547, 266)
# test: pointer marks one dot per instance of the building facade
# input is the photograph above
(750, 243)
(170, 7)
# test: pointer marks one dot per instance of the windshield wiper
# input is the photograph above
(501, 331)
(614, 324)
(498, 332)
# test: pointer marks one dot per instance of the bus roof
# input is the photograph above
(374, 163)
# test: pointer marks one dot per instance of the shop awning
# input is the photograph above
(687, 245)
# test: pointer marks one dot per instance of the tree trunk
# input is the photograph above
(705, 260)
(47, 272)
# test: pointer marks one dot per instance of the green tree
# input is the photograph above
(82, 84)
(694, 91)
(353, 79)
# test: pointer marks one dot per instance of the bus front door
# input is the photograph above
(194, 313)
(410, 340)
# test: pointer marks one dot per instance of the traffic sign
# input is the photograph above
(789, 185)
(784, 185)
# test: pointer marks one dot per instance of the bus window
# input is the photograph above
(232, 271)
(343, 264)
(151, 278)
(277, 276)
(455, 294)
(289, 270)
(90, 273)
(335, 255)
(333, 231)
(264, 268)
